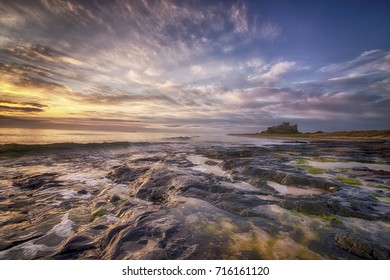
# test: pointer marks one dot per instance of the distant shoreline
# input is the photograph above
(377, 135)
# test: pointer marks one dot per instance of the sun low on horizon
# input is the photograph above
(221, 66)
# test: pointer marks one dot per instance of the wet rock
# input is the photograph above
(312, 207)
(36, 181)
(380, 253)
(100, 227)
(261, 183)
(148, 159)
(380, 172)
(159, 227)
(169, 211)
(100, 203)
(320, 206)
(143, 241)
(124, 174)
(238, 203)
(362, 169)
(17, 203)
(228, 165)
(202, 188)
(18, 240)
(227, 153)
(211, 162)
(15, 219)
(361, 247)
(291, 179)
(75, 245)
(50, 240)
(179, 249)
(67, 205)
(82, 192)
(107, 239)
(329, 248)
(361, 206)
(5, 245)
(115, 198)
(158, 187)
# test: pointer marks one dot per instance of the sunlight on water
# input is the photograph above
(51, 136)
(202, 166)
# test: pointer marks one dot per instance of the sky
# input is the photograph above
(194, 66)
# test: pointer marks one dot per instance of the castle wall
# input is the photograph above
(284, 128)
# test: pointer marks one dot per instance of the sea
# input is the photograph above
(52, 136)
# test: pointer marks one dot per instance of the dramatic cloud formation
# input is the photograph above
(194, 66)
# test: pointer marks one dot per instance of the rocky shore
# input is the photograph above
(192, 200)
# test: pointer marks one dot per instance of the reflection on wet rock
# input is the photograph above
(36, 181)
(192, 200)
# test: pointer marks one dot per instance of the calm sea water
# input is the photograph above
(50, 136)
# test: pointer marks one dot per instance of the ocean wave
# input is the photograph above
(20, 149)
(181, 138)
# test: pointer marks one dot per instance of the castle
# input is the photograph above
(284, 128)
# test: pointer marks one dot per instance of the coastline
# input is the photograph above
(308, 138)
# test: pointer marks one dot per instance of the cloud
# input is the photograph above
(238, 15)
(272, 72)
(254, 29)
(17, 15)
(197, 70)
(383, 84)
(368, 65)
(365, 61)
(367, 73)
(210, 70)
(34, 52)
(33, 104)
(21, 107)
(269, 31)
(11, 20)
(178, 64)
(135, 77)
(19, 77)
(153, 72)
(70, 123)
(255, 63)
(278, 69)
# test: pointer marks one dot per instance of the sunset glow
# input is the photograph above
(198, 66)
